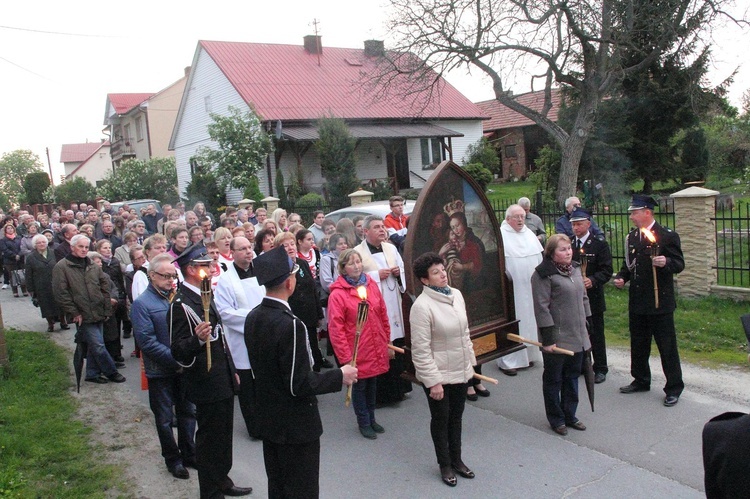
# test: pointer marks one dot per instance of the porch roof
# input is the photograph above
(379, 131)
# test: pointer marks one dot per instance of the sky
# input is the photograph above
(59, 60)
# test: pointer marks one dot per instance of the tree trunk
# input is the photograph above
(572, 148)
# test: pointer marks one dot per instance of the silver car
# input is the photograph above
(381, 208)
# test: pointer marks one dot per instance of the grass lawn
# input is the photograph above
(44, 450)
(502, 191)
(709, 331)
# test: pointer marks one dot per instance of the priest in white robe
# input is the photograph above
(237, 293)
(383, 263)
(523, 252)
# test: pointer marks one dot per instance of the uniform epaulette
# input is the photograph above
(599, 237)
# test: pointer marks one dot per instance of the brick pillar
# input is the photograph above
(694, 208)
(271, 204)
(360, 196)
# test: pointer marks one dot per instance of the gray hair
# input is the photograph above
(95, 255)
(159, 260)
(569, 201)
(39, 237)
(524, 202)
(511, 208)
(74, 240)
(372, 218)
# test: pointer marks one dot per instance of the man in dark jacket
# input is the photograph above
(82, 292)
(592, 251)
(166, 386)
(288, 420)
(651, 315)
(210, 389)
(67, 232)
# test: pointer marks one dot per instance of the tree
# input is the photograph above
(155, 178)
(483, 153)
(74, 190)
(575, 45)
(204, 187)
(14, 167)
(694, 157)
(480, 174)
(335, 148)
(242, 147)
(34, 185)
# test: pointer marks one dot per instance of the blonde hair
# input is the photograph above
(344, 258)
(222, 232)
(280, 238)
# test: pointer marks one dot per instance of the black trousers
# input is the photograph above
(445, 424)
(476, 381)
(661, 328)
(246, 399)
(293, 470)
(598, 343)
(213, 446)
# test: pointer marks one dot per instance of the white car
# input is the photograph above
(381, 208)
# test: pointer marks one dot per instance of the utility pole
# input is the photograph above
(49, 164)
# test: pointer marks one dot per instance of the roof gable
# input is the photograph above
(285, 82)
(122, 103)
(504, 117)
(74, 153)
(102, 145)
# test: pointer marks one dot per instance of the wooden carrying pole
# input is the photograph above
(521, 339)
(476, 375)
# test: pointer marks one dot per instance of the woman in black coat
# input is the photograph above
(39, 265)
(10, 247)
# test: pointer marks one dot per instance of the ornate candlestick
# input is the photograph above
(654, 252)
(362, 310)
(206, 300)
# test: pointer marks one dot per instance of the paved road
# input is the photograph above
(634, 447)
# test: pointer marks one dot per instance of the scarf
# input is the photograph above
(362, 281)
(310, 259)
(564, 268)
(446, 290)
(10, 236)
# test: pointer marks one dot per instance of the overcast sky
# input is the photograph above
(54, 86)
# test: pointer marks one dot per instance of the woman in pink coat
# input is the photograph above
(373, 354)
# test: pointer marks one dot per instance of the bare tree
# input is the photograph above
(585, 46)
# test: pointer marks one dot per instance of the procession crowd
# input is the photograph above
(238, 305)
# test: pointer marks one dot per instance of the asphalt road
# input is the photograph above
(634, 447)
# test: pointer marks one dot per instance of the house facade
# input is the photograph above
(291, 86)
(516, 138)
(90, 160)
(140, 124)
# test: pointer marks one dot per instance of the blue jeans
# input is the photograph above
(98, 360)
(363, 400)
(560, 387)
(163, 393)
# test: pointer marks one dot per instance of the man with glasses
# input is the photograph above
(395, 221)
(563, 225)
(212, 391)
(166, 383)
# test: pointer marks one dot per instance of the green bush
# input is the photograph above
(310, 200)
(480, 174)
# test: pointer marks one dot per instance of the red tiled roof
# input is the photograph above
(284, 82)
(73, 153)
(503, 117)
(86, 160)
(125, 102)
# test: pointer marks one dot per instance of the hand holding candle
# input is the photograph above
(206, 301)
(654, 255)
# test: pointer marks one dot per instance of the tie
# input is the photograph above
(578, 246)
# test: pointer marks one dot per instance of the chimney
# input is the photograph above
(187, 70)
(313, 44)
(374, 48)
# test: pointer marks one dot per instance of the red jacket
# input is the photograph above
(372, 357)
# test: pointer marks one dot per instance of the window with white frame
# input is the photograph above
(139, 128)
(432, 153)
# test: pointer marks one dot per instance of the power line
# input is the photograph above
(25, 69)
(57, 32)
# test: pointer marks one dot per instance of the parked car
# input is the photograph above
(137, 204)
(381, 208)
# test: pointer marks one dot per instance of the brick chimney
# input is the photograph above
(313, 44)
(374, 48)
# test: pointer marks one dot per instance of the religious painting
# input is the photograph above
(453, 218)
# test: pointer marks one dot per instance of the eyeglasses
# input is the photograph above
(517, 217)
(166, 276)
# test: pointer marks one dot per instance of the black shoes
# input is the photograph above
(116, 378)
(235, 491)
(473, 397)
(577, 426)
(447, 475)
(671, 400)
(377, 428)
(509, 372)
(600, 378)
(179, 471)
(482, 392)
(64, 327)
(98, 380)
(368, 432)
(633, 388)
(463, 470)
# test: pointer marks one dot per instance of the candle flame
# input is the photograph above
(203, 274)
(649, 235)
(362, 292)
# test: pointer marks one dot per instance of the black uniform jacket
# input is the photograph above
(285, 385)
(598, 269)
(641, 276)
(203, 386)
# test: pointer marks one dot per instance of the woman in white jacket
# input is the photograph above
(443, 357)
